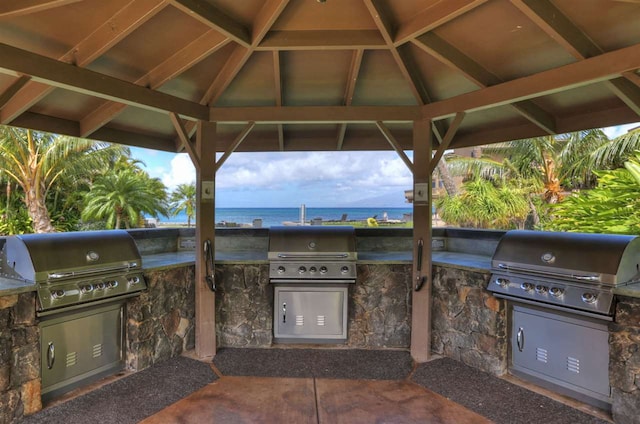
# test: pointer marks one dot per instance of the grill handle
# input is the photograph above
(549, 274)
(51, 355)
(313, 255)
(520, 339)
(59, 275)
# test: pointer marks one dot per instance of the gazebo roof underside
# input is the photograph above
(318, 75)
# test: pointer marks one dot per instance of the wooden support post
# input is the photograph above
(205, 230)
(421, 304)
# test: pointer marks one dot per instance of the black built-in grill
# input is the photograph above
(311, 268)
(560, 292)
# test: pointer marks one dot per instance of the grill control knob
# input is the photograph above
(281, 269)
(112, 284)
(100, 286)
(542, 289)
(589, 298)
(502, 282)
(57, 294)
(344, 269)
(133, 280)
(313, 269)
(323, 270)
(556, 291)
(302, 270)
(528, 287)
(87, 288)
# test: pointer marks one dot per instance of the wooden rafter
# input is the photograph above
(455, 59)
(433, 17)
(589, 71)
(352, 79)
(179, 62)
(12, 8)
(551, 20)
(323, 40)
(316, 114)
(13, 89)
(17, 62)
(212, 17)
(121, 24)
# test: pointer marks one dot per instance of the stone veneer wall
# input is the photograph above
(161, 321)
(19, 357)
(624, 361)
(469, 324)
(379, 306)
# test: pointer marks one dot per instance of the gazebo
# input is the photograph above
(209, 76)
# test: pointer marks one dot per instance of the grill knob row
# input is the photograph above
(302, 269)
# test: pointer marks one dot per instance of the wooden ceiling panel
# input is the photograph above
(504, 41)
(144, 121)
(74, 104)
(254, 85)
(610, 24)
(380, 82)
(53, 32)
(135, 56)
(314, 77)
(305, 15)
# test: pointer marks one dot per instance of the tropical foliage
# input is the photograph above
(183, 199)
(612, 207)
(40, 163)
(120, 198)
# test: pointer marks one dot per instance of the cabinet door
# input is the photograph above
(310, 313)
(562, 349)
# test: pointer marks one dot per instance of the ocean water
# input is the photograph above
(278, 216)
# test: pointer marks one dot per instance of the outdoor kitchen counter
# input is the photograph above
(632, 290)
(9, 287)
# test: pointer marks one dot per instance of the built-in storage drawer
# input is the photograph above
(310, 314)
(80, 346)
(565, 350)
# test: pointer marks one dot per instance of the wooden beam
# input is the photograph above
(268, 15)
(104, 37)
(315, 114)
(184, 137)
(17, 62)
(421, 299)
(458, 61)
(548, 17)
(446, 141)
(234, 145)
(323, 40)
(205, 231)
(434, 16)
(352, 79)
(589, 71)
(396, 146)
(13, 8)
(175, 65)
(212, 17)
(11, 91)
(277, 80)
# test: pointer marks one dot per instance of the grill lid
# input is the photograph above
(596, 258)
(305, 242)
(54, 256)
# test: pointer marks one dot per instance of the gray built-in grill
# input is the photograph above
(82, 281)
(560, 292)
(311, 268)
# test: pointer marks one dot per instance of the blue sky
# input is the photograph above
(289, 179)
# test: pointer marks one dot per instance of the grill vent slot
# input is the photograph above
(321, 320)
(72, 359)
(542, 355)
(97, 350)
(299, 319)
(573, 364)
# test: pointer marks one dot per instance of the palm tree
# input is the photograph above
(37, 161)
(122, 196)
(183, 199)
(613, 155)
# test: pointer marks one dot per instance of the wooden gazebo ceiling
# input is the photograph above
(332, 75)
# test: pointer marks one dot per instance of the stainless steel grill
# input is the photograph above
(82, 280)
(568, 271)
(560, 288)
(311, 268)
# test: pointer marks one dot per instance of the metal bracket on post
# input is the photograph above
(208, 190)
(421, 193)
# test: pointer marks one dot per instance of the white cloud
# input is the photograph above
(182, 172)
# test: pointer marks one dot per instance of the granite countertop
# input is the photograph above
(631, 290)
(10, 287)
